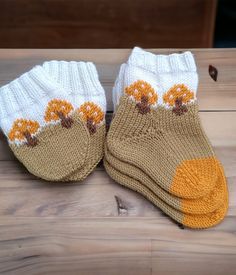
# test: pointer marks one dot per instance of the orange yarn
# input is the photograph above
(141, 88)
(204, 176)
(56, 106)
(91, 111)
(21, 126)
(178, 91)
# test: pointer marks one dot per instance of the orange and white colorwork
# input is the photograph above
(41, 116)
(156, 144)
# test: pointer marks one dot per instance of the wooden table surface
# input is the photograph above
(77, 228)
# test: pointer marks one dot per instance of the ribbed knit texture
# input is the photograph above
(189, 220)
(79, 79)
(156, 139)
(94, 156)
(169, 154)
(161, 72)
(208, 204)
(28, 96)
(72, 76)
(53, 117)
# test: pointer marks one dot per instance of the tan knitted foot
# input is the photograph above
(189, 220)
(95, 154)
(173, 150)
(56, 151)
(204, 205)
(49, 115)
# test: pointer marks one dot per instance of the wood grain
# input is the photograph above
(77, 228)
(112, 245)
(106, 23)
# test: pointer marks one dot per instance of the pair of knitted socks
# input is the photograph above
(54, 119)
(156, 145)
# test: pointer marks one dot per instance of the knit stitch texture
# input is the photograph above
(49, 115)
(156, 144)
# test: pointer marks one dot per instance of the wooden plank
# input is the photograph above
(65, 252)
(108, 228)
(212, 95)
(219, 127)
(106, 23)
(181, 256)
(111, 246)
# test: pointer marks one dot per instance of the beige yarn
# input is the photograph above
(189, 220)
(204, 205)
(59, 151)
(94, 156)
(172, 150)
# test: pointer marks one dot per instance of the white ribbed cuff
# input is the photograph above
(162, 72)
(27, 96)
(80, 79)
(183, 62)
(118, 87)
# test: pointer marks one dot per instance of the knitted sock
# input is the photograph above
(189, 220)
(157, 128)
(73, 78)
(207, 204)
(45, 129)
(203, 205)
(94, 156)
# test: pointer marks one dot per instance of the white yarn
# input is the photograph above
(118, 87)
(161, 71)
(27, 96)
(79, 79)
